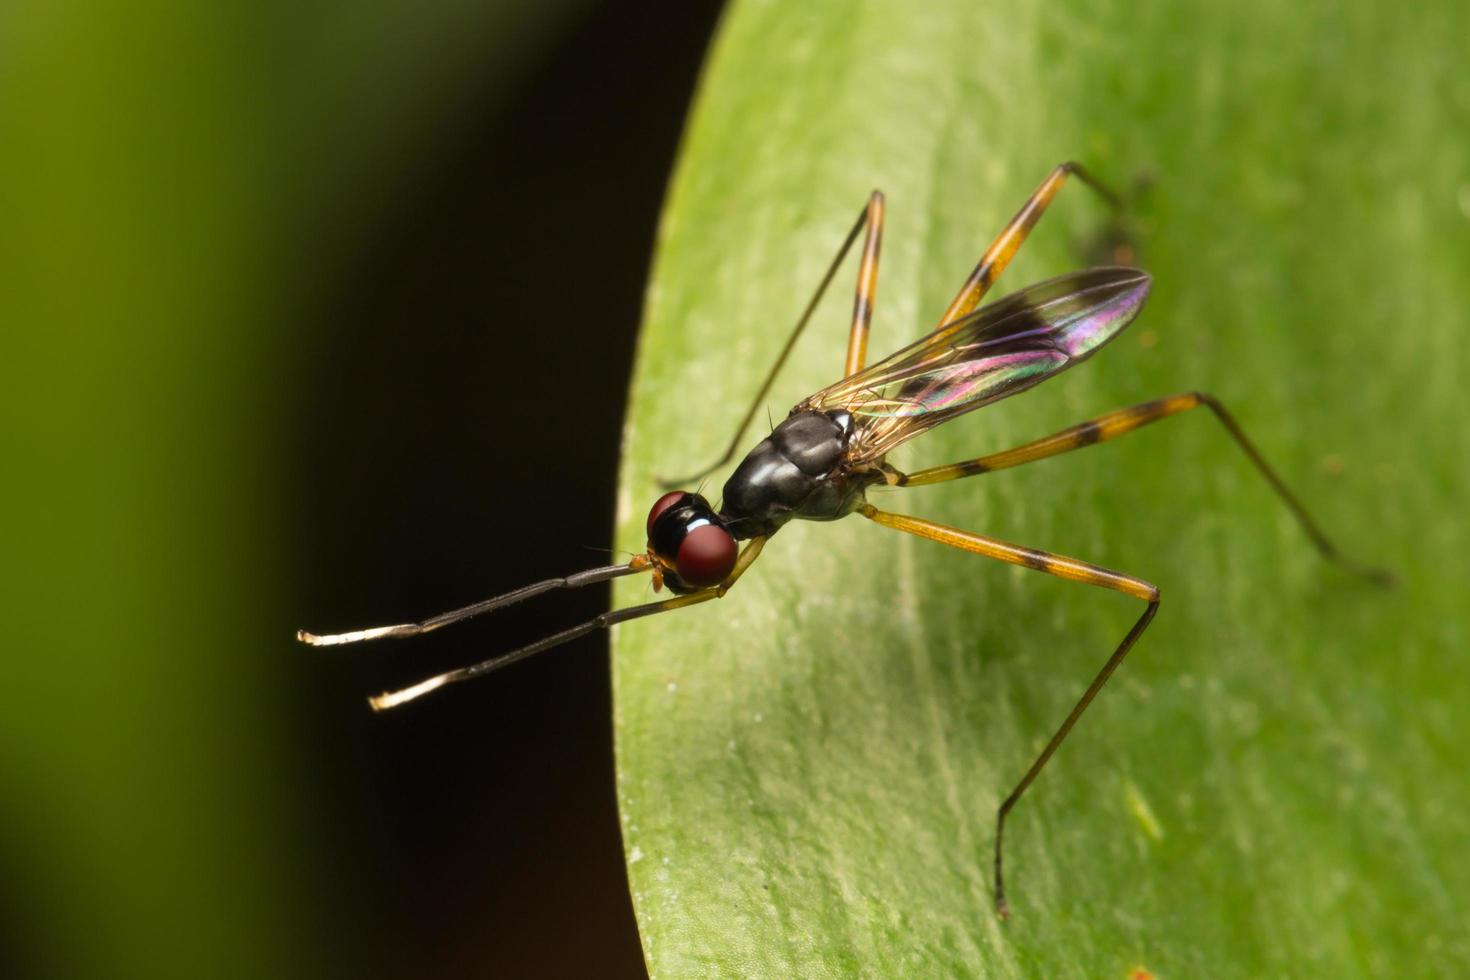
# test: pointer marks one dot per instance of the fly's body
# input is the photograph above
(801, 471)
(818, 463)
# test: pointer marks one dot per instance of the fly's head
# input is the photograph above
(689, 546)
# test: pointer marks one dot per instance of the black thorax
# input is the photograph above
(798, 472)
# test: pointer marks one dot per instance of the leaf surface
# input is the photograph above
(1272, 784)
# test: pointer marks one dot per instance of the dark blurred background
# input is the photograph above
(324, 318)
(462, 439)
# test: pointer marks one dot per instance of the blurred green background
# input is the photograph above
(270, 278)
(322, 315)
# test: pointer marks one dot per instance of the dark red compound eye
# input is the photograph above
(706, 556)
(662, 504)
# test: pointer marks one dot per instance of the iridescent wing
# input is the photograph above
(997, 351)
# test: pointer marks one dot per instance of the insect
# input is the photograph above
(819, 462)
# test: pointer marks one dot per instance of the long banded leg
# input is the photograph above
(589, 577)
(871, 217)
(1122, 421)
(392, 699)
(867, 288)
(1009, 241)
(1062, 567)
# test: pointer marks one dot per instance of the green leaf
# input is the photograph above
(1273, 783)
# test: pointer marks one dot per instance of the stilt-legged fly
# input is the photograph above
(819, 462)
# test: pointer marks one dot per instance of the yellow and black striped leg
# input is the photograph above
(867, 288)
(1009, 241)
(857, 344)
(1121, 422)
(1062, 567)
(393, 699)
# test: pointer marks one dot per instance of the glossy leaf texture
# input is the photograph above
(1273, 784)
